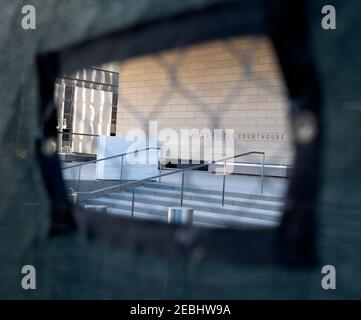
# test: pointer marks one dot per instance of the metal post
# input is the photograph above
(224, 181)
(98, 142)
(60, 140)
(133, 198)
(159, 151)
(160, 170)
(121, 170)
(182, 215)
(182, 189)
(262, 177)
(79, 174)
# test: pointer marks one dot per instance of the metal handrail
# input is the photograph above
(79, 134)
(72, 134)
(111, 157)
(107, 158)
(135, 184)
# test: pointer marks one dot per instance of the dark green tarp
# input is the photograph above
(70, 267)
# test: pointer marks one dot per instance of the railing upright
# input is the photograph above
(121, 169)
(224, 181)
(133, 200)
(182, 189)
(160, 171)
(79, 175)
(262, 178)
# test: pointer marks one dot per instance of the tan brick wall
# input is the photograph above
(234, 84)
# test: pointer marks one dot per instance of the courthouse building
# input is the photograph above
(233, 84)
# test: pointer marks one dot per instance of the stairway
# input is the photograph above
(153, 199)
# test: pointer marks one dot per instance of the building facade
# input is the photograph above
(230, 91)
(234, 84)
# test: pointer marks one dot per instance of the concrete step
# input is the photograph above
(210, 198)
(152, 205)
(254, 169)
(198, 205)
(152, 217)
(238, 195)
(201, 218)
